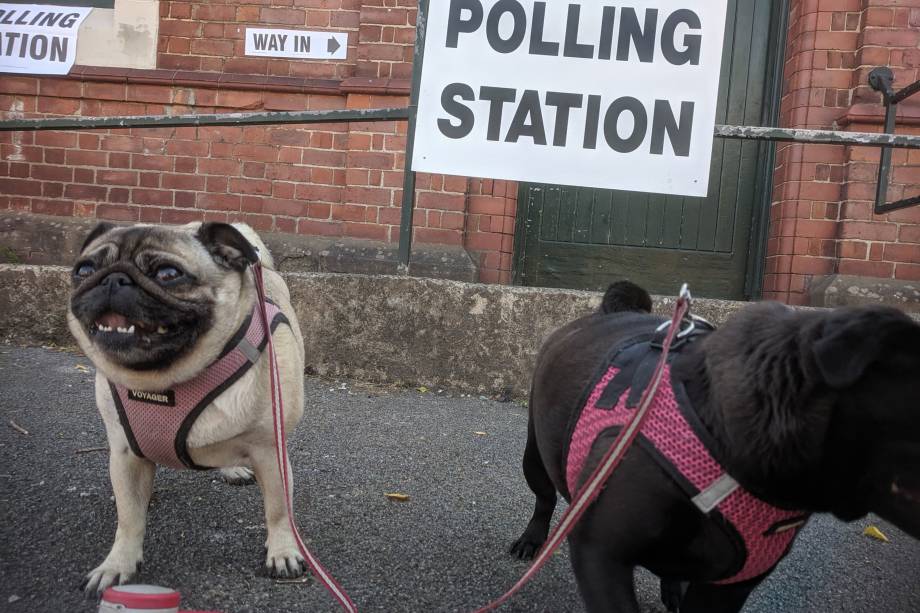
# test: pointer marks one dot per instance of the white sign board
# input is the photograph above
(574, 92)
(297, 44)
(39, 39)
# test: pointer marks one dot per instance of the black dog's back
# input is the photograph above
(567, 364)
(613, 537)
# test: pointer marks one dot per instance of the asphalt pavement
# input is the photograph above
(456, 457)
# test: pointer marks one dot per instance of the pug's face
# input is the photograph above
(145, 297)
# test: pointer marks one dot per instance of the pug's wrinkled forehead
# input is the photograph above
(194, 246)
(108, 244)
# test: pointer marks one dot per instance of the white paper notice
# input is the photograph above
(575, 92)
(39, 39)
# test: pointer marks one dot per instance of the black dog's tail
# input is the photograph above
(624, 296)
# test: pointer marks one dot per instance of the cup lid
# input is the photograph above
(142, 596)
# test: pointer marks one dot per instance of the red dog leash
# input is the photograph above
(281, 453)
(592, 488)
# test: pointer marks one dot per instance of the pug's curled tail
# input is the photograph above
(265, 255)
(625, 296)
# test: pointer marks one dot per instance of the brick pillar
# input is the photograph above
(474, 213)
(882, 246)
(821, 220)
(807, 180)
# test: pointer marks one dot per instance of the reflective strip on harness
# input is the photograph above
(712, 496)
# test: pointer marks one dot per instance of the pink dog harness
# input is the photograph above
(157, 423)
(674, 435)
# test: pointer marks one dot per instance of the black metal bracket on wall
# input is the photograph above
(408, 195)
(882, 80)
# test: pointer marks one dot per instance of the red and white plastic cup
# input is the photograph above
(139, 599)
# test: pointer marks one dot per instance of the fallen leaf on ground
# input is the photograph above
(875, 533)
(422, 389)
(398, 497)
(480, 433)
(81, 368)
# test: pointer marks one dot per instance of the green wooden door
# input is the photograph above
(585, 238)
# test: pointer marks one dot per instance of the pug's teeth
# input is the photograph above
(162, 330)
(131, 330)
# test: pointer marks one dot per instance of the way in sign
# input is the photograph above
(278, 42)
(296, 44)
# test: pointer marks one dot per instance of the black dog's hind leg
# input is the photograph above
(540, 484)
(605, 583)
(672, 594)
(712, 598)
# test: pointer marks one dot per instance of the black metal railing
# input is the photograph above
(882, 80)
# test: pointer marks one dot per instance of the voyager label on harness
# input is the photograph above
(618, 95)
(164, 399)
(39, 39)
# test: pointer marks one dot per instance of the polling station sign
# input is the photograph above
(597, 94)
(39, 38)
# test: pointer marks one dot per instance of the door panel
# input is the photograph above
(585, 238)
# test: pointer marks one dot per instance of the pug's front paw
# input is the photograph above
(116, 571)
(285, 564)
(238, 475)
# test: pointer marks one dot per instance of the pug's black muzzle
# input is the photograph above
(135, 321)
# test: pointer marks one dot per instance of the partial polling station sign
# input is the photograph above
(39, 38)
(597, 94)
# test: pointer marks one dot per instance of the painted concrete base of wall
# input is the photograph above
(41, 239)
(386, 329)
(849, 290)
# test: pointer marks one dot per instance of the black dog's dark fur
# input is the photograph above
(808, 410)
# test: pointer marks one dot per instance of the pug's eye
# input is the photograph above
(84, 270)
(165, 274)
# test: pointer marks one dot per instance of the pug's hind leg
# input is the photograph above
(132, 482)
(283, 558)
(238, 475)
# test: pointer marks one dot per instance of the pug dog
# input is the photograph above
(168, 316)
(777, 414)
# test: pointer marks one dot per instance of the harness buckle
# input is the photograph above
(690, 326)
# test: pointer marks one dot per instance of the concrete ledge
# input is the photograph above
(386, 329)
(46, 240)
(851, 290)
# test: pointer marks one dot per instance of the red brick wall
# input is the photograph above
(346, 179)
(341, 180)
(821, 220)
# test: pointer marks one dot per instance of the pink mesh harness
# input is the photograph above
(157, 423)
(767, 531)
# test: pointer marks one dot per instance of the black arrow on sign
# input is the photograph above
(332, 46)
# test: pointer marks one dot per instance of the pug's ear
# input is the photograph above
(847, 348)
(100, 229)
(227, 245)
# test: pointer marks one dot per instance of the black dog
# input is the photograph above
(806, 410)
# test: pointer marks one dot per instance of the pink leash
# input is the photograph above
(592, 488)
(281, 452)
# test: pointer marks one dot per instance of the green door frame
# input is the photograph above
(760, 224)
(753, 281)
